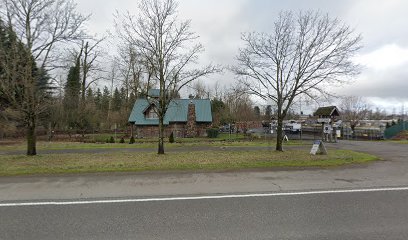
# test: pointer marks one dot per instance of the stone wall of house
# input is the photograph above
(146, 131)
(179, 130)
(201, 129)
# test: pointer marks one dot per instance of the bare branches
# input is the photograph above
(354, 109)
(90, 54)
(302, 53)
(167, 47)
(42, 24)
(299, 55)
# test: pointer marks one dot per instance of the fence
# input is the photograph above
(394, 130)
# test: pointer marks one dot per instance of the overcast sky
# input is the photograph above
(219, 23)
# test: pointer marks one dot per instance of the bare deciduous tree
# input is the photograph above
(42, 24)
(168, 48)
(353, 110)
(132, 71)
(200, 91)
(239, 104)
(90, 54)
(303, 53)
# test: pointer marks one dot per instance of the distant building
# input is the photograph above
(327, 112)
(184, 117)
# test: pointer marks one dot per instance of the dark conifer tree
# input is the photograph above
(23, 87)
(116, 100)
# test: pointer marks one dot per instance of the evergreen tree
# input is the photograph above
(98, 99)
(71, 98)
(105, 100)
(116, 100)
(124, 96)
(89, 95)
(171, 138)
(22, 84)
(73, 86)
(43, 82)
(218, 111)
(257, 112)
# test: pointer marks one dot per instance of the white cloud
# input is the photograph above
(384, 58)
(380, 22)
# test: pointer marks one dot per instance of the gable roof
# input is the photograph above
(177, 112)
(153, 93)
(327, 111)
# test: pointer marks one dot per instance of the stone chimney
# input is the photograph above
(191, 121)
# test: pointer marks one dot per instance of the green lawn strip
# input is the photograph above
(244, 143)
(399, 141)
(77, 145)
(209, 160)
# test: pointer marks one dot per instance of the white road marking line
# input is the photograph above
(55, 203)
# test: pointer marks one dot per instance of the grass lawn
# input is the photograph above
(399, 141)
(152, 143)
(208, 160)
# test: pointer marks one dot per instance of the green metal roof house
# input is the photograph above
(184, 117)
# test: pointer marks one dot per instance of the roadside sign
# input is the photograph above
(327, 129)
(318, 148)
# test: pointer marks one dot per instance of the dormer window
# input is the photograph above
(151, 113)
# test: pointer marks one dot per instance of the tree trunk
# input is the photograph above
(279, 137)
(161, 136)
(31, 137)
(353, 133)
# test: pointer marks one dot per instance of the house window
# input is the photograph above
(151, 114)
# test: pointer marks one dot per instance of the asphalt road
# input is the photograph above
(359, 215)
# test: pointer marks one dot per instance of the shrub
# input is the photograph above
(122, 140)
(171, 138)
(212, 132)
(111, 140)
(107, 140)
(132, 140)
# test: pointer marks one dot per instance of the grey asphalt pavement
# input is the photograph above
(373, 215)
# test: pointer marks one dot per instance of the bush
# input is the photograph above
(122, 140)
(107, 140)
(212, 132)
(171, 138)
(132, 140)
(111, 140)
